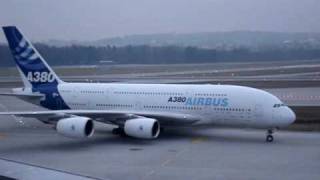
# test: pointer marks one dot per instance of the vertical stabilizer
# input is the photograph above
(34, 70)
(36, 74)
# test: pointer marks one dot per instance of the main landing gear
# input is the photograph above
(118, 131)
(269, 137)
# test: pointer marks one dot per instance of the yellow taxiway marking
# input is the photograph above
(166, 162)
(198, 140)
(2, 136)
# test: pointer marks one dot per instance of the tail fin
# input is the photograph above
(34, 70)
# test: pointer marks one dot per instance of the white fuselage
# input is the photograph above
(212, 104)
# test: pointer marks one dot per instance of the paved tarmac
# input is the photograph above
(211, 153)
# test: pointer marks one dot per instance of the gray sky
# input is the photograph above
(94, 19)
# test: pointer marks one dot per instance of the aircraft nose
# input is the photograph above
(289, 116)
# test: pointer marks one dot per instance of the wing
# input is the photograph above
(109, 116)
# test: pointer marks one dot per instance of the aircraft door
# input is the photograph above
(138, 105)
(59, 103)
(107, 94)
(258, 111)
(56, 99)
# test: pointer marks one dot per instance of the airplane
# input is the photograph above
(138, 110)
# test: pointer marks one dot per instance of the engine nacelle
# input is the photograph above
(145, 128)
(75, 127)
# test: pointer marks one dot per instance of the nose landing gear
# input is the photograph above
(269, 137)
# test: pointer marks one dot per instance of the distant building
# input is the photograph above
(104, 66)
(106, 62)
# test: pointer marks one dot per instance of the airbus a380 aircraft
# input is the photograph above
(139, 110)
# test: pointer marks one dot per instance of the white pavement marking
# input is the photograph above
(150, 173)
(18, 120)
(164, 163)
(25, 171)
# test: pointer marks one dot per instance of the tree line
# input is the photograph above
(90, 55)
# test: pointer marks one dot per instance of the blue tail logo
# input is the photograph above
(34, 70)
(36, 74)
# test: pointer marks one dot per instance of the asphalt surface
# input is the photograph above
(212, 153)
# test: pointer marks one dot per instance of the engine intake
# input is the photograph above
(145, 128)
(75, 127)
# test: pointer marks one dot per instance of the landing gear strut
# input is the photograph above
(118, 131)
(269, 137)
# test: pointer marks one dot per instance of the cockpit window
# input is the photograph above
(278, 105)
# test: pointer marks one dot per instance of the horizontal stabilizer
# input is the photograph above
(33, 98)
(22, 95)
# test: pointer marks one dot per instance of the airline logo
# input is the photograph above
(28, 59)
(34, 69)
(25, 55)
(24, 51)
(200, 101)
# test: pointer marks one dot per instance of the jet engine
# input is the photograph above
(145, 128)
(75, 127)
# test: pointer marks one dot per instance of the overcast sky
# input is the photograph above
(94, 19)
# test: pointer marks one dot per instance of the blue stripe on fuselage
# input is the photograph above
(53, 99)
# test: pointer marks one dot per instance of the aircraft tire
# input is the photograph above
(269, 138)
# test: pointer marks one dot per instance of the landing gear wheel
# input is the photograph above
(269, 138)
